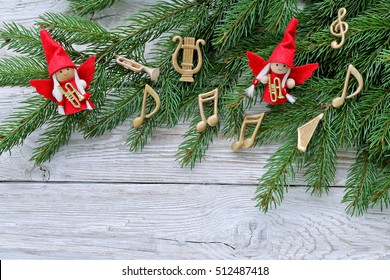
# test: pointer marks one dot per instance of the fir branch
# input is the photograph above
(57, 134)
(138, 137)
(18, 71)
(381, 189)
(282, 166)
(238, 22)
(321, 157)
(83, 7)
(358, 186)
(150, 24)
(76, 30)
(21, 39)
(279, 14)
(24, 121)
(115, 111)
(194, 148)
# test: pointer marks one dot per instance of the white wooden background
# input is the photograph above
(96, 200)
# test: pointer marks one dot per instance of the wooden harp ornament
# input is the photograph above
(138, 67)
(306, 131)
(248, 143)
(137, 122)
(186, 69)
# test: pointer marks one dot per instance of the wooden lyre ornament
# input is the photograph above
(137, 67)
(306, 131)
(213, 119)
(248, 143)
(186, 69)
(338, 101)
(338, 28)
(137, 122)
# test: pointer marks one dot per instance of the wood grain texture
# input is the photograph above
(97, 200)
(130, 221)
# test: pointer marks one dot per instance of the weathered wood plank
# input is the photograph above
(129, 221)
(107, 158)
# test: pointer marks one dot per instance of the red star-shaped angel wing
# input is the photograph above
(301, 73)
(256, 63)
(85, 72)
(44, 87)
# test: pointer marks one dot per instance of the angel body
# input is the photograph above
(68, 84)
(279, 72)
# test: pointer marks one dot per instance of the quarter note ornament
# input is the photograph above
(213, 119)
(138, 67)
(248, 143)
(306, 131)
(186, 69)
(338, 28)
(137, 122)
(338, 101)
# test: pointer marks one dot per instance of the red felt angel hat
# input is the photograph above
(285, 51)
(56, 56)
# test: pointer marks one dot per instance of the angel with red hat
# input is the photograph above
(279, 72)
(68, 84)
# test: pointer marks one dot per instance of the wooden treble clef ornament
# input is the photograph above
(338, 28)
(188, 47)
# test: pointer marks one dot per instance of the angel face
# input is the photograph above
(65, 74)
(279, 68)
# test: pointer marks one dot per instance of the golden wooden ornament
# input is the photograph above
(306, 131)
(137, 122)
(186, 69)
(338, 101)
(213, 119)
(137, 67)
(338, 28)
(248, 143)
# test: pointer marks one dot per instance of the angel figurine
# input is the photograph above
(68, 84)
(279, 72)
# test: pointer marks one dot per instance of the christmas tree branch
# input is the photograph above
(21, 39)
(282, 166)
(358, 187)
(57, 134)
(83, 7)
(18, 71)
(22, 123)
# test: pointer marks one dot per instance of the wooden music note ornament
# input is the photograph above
(188, 55)
(338, 28)
(137, 67)
(338, 101)
(213, 119)
(137, 122)
(248, 143)
(306, 131)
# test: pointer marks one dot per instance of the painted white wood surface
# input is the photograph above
(95, 199)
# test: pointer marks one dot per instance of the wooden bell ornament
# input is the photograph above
(186, 69)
